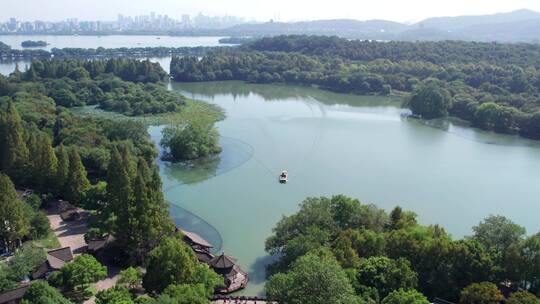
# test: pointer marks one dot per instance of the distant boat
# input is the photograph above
(158, 38)
(284, 177)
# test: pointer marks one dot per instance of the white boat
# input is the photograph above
(284, 177)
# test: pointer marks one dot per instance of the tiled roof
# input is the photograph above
(222, 261)
(63, 254)
(196, 239)
(203, 256)
(56, 259)
(14, 294)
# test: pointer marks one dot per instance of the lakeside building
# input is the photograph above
(224, 265)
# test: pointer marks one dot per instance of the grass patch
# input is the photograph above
(193, 109)
(50, 241)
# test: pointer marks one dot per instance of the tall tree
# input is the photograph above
(14, 222)
(117, 212)
(77, 182)
(44, 164)
(119, 191)
(149, 220)
(62, 170)
(13, 151)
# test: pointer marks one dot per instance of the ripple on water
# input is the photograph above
(235, 153)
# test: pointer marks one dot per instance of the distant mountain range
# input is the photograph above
(516, 26)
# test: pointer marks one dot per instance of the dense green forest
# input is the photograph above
(440, 53)
(102, 165)
(366, 255)
(44, 92)
(126, 86)
(494, 86)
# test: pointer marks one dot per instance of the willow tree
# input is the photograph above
(13, 151)
(14, 222)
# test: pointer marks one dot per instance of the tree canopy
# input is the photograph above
(84, 269)
(481, 293)
(174, 262)
(401, 296)
(191, 141)
(430, 101)
(14, 224)
(314, 278)
(382, 253)
(40, 292)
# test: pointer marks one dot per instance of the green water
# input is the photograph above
(341, 144)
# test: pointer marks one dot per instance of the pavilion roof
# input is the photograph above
(222, 261)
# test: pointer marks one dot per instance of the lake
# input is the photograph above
(112, 41)
(330, 143)
(109, 41)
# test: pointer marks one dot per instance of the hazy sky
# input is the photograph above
(285, 10)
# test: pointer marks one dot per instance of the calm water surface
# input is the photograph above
(115, 41)
(341, 144)
(111, 41)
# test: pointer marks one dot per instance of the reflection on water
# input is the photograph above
(239, 89)
(234, 154)
(463, 129)
(368, 105)
(191, 222)
(183, 174)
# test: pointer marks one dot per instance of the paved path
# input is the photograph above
(108, 282)
(71, 233)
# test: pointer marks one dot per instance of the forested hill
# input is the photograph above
(516, 26)
(493, 86)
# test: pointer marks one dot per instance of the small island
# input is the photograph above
(191, 141)
(33, 43)
(236, 40)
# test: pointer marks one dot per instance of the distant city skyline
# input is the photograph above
(151, 22)
(282, 10)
